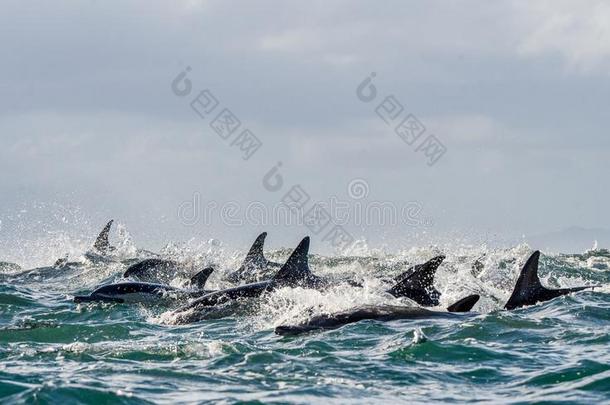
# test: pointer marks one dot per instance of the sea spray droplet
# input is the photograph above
(419, 336)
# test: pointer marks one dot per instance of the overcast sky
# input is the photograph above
(516, 91)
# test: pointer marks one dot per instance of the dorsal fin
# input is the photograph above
(255, 265)
(417, 283)
(529, 272)
(528, 286)
(529, 290)
(296, 268)
(465, 304)
(421, 275)
(256, 255)
(200, 279)
(102, 243)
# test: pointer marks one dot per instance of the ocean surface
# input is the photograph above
(55, 351)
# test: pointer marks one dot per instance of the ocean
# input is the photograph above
(55, 351)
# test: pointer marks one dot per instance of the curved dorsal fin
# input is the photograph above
(200, 279)
(417, 283)
(421, 275)
(296, 268)
(528, 285)
(528, 289)
(102, 243)
(255, 264)
(529, 273)
(255, 254)
(465, 304)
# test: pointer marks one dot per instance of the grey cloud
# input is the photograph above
(88, 116)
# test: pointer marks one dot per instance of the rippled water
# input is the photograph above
(54, 351)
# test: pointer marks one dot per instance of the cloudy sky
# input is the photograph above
(90, 128)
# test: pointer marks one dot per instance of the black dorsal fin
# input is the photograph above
(421, 275)
(528, 286)
(200, 279)
(529, 290)
(256, 256)
(417, 283)
(255, 266)
(296, 268)
(529, 273)
(102, 243)
(465, 304)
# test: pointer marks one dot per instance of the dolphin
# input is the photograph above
(378, 313)
(98, 252)
(255, 266)
(530, 291)
(103, 252)
(138, 292)
(155, 270)
(134, 292)
(63, 266)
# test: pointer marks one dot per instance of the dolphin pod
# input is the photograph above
(150, 279)
(415, 284)
(528, 291)
(255, 267)
(294, 273)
